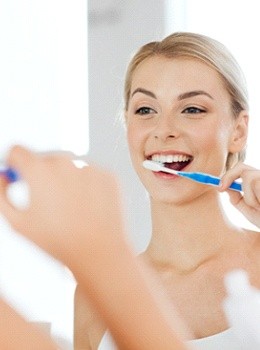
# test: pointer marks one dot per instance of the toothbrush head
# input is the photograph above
(155, 166)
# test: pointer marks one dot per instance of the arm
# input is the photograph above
(16, 333)
(76, 215)
(88, 327)
(128, 298)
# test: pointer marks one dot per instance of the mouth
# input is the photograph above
(172, 161)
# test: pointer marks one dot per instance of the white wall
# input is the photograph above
(43, 104)
(116, 30)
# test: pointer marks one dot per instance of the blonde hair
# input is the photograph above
(207, 50)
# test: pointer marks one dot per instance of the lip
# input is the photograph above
(167, 176)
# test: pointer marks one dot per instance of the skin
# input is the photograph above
(169, 123)
(191, 259)
(16, 333)
(68, 220)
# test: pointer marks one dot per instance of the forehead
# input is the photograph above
(177, 75)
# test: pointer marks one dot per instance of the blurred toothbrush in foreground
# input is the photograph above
(18, 192)
(10, 174)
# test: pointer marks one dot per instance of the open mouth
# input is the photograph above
(174, 162)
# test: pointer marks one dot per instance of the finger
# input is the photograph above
(256, 189)
(238, 201)
(233, 174)
(22, 160)
(251, 192)
(6, 208)
(236, 198)
(251, 188)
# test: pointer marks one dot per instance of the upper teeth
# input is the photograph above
(170, 158)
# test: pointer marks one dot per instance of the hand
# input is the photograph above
(248, 202)
(75, 215)
(70, 208)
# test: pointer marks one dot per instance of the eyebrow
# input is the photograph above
(194, 93)
(144, 91)
(180, 97)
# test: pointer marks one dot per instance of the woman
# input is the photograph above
(186, 106)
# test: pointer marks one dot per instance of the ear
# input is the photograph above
(239, 134)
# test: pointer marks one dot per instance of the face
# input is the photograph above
(179, 112)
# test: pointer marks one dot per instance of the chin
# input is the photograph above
(182, 197)
(172, 198)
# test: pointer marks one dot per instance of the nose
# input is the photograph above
(166, 127)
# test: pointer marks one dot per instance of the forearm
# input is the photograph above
(16, 333)
(128, 298)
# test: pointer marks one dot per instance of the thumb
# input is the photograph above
(235, 198)
(21, 160)
(6, 208)
(17, 159)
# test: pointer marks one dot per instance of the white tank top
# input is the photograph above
(220, 341)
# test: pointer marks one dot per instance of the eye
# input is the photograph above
(145, 111)
(193, 110)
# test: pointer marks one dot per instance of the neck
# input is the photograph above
(186, 236)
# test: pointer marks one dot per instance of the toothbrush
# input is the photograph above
(198, 177)
(12, 176)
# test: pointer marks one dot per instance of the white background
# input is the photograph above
(43, 104)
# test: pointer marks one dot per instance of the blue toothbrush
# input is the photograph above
(10, 174)
(205, 179)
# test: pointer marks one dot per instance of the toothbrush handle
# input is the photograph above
(235, 186)
(209, 180)
(10, 174)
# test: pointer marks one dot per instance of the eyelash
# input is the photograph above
(193, 110)
(189, 110)
(141, 111)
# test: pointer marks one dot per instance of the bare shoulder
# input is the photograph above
(88, 327)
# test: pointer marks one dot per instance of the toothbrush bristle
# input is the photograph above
(159, 167)
(150, 165)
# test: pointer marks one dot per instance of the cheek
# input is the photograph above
(213, 144)
(135, 139)
(216, 137)
(131, 139)
(209, 140)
